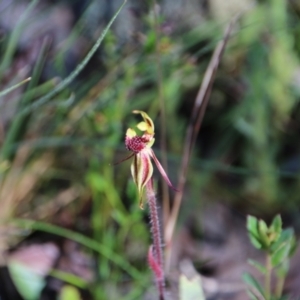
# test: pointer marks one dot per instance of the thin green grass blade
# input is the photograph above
(69, 278)
(83, 240)
(13, 40)
(41, 89)
(6, 150)
(8, 90)
(37, 70)
(19, 124)
(78, 69)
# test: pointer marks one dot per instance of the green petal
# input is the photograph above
(141, 170)
(148, 121)
(143, 126)
(130, 133)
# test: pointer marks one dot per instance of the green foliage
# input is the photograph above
(251, 281)
(257, 265)
(262, 236)
(279, 245)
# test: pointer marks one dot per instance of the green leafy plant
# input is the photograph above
(279, 245)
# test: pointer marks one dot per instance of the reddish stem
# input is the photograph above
(155, 256)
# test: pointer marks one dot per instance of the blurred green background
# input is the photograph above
(57, 159)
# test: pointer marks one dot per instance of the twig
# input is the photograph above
(268, 277)
(192, 132)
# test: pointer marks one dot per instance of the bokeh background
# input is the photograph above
(70, 223)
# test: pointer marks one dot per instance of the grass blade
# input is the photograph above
(78, 69)
(12, 43)
(8, 90)
(83, 240)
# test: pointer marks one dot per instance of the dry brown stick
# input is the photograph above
(192, 132)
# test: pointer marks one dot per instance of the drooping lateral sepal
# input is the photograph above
(161, 170)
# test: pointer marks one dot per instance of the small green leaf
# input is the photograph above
(252, 227)
(286, 236)
(190, 289)
(277, 224)
(251, 281)
(262, 227)
(263, 233)
(281, 254)
(255, 242)
(257, 265)
(294, 246)
(275, 229)
(28, 283)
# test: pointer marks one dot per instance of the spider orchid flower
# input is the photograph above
(141, 167)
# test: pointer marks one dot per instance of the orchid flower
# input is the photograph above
(141, 167)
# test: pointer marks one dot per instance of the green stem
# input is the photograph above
(279, 287)
(268, 277)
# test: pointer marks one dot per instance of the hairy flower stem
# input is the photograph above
(155, 256)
